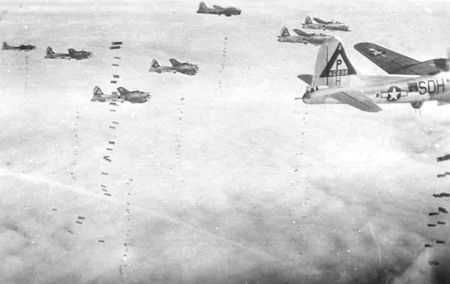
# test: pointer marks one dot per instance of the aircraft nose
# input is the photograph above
(306, 97)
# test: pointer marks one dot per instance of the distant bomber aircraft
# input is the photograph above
(301, 37)
(21, 47)
(217, 10)
(134, 97)
(185, 68)
(337, 81)
(323, 25)
(72, 54)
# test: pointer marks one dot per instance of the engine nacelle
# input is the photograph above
(417, 105)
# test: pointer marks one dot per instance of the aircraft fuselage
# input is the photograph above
(332, 26)
(185, 69)
(316, 40)
(412, 89)
(135, 97)
(226, 11)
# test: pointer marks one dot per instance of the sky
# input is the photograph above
(222, 177)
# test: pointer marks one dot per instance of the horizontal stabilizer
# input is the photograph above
(356, 99)
(307, 78)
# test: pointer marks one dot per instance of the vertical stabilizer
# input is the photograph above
(154, 64)
(308, 20)
(50, 51)
(333, 68)
(97, 92)
(202, 7)
(284, 32)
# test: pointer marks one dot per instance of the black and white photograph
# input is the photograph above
(224, 141)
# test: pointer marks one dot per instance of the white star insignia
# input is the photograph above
(376, 52)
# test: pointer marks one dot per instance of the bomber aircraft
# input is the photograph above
(184, 68)
(22, 47)
(217, 10)
(123, 95)
(72, 54)
(301, 37)
(336, 81)
(333, 25)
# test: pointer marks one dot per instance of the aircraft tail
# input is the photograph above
(308, 20)
(284, 32)
(154, 64)
(97, 93)
(202, 7)
(122, 91)
(333, 68)
(50, 51)
(5, 45)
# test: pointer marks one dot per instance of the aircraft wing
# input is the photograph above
(174, 62)
(320, 21)
(392, 62)
(356, 99)
(301, 33)
(217, 7)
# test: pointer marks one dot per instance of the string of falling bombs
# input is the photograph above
(436, 216)
(25, 87)
(178, 178)
(76, 147)
(81, 219)
(114, 124)
(299, 151)
(126, 244)
(78, 221)
(222, 63)
(178, 137)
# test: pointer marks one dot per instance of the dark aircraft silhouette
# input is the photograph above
(72, 54)
(184, 68)
(301, 37)
(217, 10)
(123, 95)
(324, 25)
(21, 47)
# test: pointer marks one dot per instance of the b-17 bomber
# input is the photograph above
(22, 47)
(302, 37)
(184, 68)
(337, 81)
(218, 10)
(72, 54)
(123, 95)
(324, 25)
